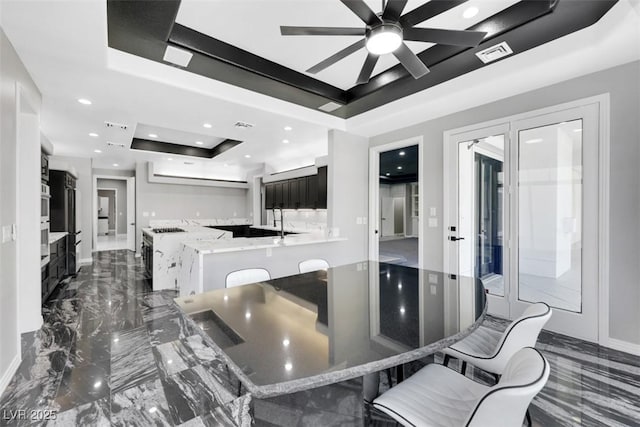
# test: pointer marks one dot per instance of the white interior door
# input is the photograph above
(131, 214)
(555, 205)
(387, 217)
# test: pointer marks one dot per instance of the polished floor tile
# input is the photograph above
(113, 352)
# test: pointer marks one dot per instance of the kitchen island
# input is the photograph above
(204, 264)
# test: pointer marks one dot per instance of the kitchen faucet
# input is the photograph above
(281, 221)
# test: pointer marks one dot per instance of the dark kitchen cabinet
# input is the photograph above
(56, 270)
(269, 196)
(63, 213)
(307, 192)
(322, 188)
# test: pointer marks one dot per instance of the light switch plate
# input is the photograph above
(14, 232)
(433, 278)
(269, 252)
(364, 220)
(432, 211)
(153, 214)
(145, 214)
(6, 233)
(359, 220)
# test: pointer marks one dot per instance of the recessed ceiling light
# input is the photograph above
(285, 141)
(288, 366)
(288, 128)
(84, 101)
(402, 153)
(399, 167)
(153, 135)
(248, 156)
(387, 174)
(199, 142)
(207, 125)
(169, 158)
(93, 134)
(470, 12)
(115, 165)
(533, 141)
(97, 151)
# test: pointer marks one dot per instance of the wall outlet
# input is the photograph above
(197, 214)
(434, 290)
(433, 222)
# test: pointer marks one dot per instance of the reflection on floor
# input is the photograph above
(112, 242)
(402, 251)
(112, 352)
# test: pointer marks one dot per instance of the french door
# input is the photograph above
(523, 215)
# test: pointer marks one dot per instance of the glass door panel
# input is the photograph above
(550, 215)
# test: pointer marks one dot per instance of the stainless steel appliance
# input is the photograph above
(44, 202)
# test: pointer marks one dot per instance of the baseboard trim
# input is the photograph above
(85, 261)
(10, 372)
(625, 346)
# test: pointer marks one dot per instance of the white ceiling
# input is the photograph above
(255, 27)
(63, 44)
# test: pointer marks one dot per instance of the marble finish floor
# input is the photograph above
(111, 242)
(112, 352)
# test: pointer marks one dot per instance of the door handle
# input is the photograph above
(133, 223)
(454, 238)
(376, 231)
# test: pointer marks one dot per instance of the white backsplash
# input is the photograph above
(300, 219)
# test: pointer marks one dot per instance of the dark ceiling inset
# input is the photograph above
(146, 27)
(408, 162)
(183, 150)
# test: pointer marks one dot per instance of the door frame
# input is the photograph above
(374, 194)
(603, 103)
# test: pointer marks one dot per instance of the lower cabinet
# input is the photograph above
(56, 270)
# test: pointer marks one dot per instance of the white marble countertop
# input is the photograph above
(243, 244)
(54, 237)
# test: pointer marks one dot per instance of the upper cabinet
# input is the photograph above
(307, 192)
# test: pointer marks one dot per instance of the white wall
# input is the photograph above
(623, 84)
(176, 201)
(12, 71)
(348, 194)
(84, 186)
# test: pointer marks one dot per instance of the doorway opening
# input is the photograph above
(395, 215)
(114, 213)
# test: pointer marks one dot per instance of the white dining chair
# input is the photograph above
(309, 265)
(490, 350)
(246, 276)
(438, 396)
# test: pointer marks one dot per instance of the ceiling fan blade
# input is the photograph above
(428, 10)
(448, 37)
(364, 12)
(321, 31)
(337, 57)
(393, 9)
(367, 68)
(410, 61)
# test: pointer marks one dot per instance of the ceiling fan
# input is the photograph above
(386, 32)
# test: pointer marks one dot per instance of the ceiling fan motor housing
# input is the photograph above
(384, 37)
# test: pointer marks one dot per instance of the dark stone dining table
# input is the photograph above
(313, 329)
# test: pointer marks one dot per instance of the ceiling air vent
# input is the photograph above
(329, 107)
(115, 144)
(243, 125)
(112, 125)
(494, 52)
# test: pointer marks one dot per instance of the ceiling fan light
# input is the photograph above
(384, 39)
